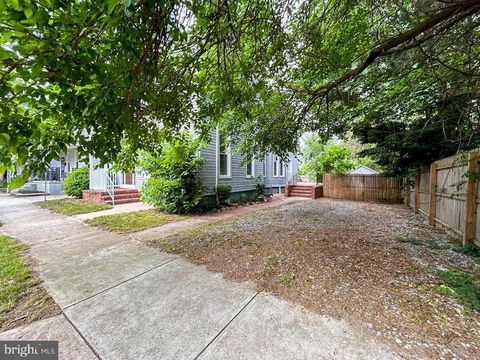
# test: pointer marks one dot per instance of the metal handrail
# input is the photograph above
(111, 178)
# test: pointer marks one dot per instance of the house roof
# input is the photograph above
(362, 169)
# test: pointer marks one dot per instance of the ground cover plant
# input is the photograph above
(133, 221)
(72, 206)
(370, 264)
(22, 297)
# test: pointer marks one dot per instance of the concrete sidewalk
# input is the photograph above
(122, 300)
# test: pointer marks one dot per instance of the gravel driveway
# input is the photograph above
(344, 259)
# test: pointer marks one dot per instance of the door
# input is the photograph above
(128, 179)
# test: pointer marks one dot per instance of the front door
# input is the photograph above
(128, 179)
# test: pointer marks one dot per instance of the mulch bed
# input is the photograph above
(343, 259)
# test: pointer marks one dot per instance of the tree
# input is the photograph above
(110, 76)
(174, 184)
(319, 159)
(439, 131)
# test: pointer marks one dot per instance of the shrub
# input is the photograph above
(259, 188)
(243, 198)
(223, 193)
(77, 181)
(174, 184)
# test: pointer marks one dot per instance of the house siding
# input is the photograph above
(239, 180)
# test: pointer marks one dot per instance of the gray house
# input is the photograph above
(222, 166)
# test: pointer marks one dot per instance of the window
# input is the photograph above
(282, 168)
(275, 165)
(250, 168)
(224, 157)
(264, 166)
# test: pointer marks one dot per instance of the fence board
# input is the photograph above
(363, 188)
(450, 200)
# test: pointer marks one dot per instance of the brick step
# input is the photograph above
(122, 201)
(300, 195)
(121, 196)
(301, 191)
(301, 188)
(124, 191)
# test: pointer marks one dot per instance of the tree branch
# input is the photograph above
(469, 7)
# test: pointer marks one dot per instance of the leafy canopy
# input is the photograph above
(110, 76)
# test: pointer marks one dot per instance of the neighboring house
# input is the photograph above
(222, 166)
(51, 180)
(363, 170)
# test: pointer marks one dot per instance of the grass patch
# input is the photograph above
(21, 297)
(72, 206)
(461, 286)
(286, 280)
(132, 221)
(15, 276)
(408, 239)
(470, 250)
(432, 244)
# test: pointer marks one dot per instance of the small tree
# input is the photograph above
(77, 181)
(332, 157)
(174, 184)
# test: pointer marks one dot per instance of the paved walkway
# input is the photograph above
(117, 209)
(122, 300)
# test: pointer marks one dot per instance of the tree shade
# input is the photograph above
(112, 76)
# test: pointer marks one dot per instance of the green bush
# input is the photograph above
(174, 184)
(77, 181)
(223, 193)
(243, 198)
(259, 188)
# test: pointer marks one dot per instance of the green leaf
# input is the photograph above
(18, 181)
(4, 139)
(28, 12)
(111, 5)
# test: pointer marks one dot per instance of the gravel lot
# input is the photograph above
(343, 259)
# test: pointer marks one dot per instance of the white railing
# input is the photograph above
(292, 179)
(110, 184)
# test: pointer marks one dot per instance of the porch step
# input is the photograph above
(309, 191)
(122, 201)
(122, 196)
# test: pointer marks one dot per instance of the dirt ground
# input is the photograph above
(344, 259)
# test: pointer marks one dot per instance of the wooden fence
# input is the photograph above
(447, 193)
(363, 188)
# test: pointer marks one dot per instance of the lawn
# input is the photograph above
(133, 221)
(22, 298)
(377, 266)
(72, 206)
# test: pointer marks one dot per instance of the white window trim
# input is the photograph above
(229, 160)
(264, 166)
(278, 168)
(274, 166)
(253, 170)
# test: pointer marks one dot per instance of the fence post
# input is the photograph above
(433, 190)
(417, 193)
(407, 192)
(471, 200)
